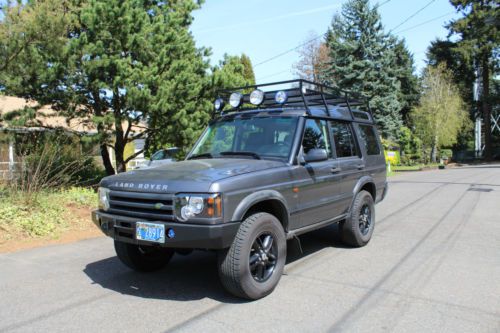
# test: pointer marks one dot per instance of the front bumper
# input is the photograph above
(193, 236)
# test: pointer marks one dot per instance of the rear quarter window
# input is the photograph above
(369, 139)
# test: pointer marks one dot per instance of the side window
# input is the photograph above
(369, 139)
(344, 139)
(159, 155)
(316, 136)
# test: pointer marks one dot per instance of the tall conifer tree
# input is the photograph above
(363, 59)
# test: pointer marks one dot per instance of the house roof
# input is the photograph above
(47, 117)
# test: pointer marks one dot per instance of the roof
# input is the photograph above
(334, 112)
(48, 118)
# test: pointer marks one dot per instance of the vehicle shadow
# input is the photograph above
(194, 276)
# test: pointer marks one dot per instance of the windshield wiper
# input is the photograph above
(244, 153)
(204, 155)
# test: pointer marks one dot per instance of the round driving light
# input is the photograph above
(281, 97)
(257, 97)
(219, 104)
(196, 204)
(235, 99)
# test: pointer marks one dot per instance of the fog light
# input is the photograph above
(170, 233)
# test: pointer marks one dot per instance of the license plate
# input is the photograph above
(151, 232)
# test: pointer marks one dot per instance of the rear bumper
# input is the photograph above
(215, 236)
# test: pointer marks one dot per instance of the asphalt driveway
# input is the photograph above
(432, 265)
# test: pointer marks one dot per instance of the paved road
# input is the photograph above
(432, 265)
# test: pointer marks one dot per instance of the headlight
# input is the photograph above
(103, 198)
(189, 206)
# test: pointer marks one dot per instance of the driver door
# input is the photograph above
(319, 188)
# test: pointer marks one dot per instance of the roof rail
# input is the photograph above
(302, 94)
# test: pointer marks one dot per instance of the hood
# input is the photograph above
(185, 176)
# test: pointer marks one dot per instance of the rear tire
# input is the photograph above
(252, 267)
(358, 228)
(143, 258)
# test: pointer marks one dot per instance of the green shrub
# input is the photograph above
(446, 153)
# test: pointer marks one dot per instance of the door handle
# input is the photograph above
(335, 170)
(361, 166)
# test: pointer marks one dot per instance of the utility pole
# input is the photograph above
(478, 147)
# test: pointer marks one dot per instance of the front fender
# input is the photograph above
(257, 197)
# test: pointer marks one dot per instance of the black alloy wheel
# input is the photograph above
(263, 257)
(365, 219)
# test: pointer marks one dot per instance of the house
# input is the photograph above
(48, 119)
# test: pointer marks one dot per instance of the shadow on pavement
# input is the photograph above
(194, 276)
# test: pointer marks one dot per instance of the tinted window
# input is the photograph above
(344, 139)
(316, 136)
(369, 140)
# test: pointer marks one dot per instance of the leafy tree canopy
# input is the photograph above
(130, 67)
(441, 114)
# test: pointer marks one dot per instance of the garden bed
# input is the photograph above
(50, 217)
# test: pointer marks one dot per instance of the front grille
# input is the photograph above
(147, 206)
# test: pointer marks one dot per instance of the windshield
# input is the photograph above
(258, 137)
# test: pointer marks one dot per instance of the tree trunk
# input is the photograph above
(485, 104)
(121, 166)
(120, 139)
(434, 153)
(108, 166)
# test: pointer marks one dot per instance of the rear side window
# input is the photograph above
(369, 139)
(316, 136)
(344, 139)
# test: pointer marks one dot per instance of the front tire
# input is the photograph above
(252, 267)
(143, 258)
(358, 228)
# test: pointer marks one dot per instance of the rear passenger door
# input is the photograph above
(349, 161)
(373, 155)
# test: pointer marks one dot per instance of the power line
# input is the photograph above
(302, 44)
(287, 51)
(412, 15)
(269, 19)
(423, 23)
(274, 74)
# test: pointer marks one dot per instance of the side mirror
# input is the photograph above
(316, 155)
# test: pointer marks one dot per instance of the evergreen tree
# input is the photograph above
(362, 60)
(479, 40)
(131, 67)
(248, 72)
(232, 71)
(403, 64)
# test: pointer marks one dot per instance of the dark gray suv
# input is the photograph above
(273, 166)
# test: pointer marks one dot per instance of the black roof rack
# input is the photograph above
(303, 94)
